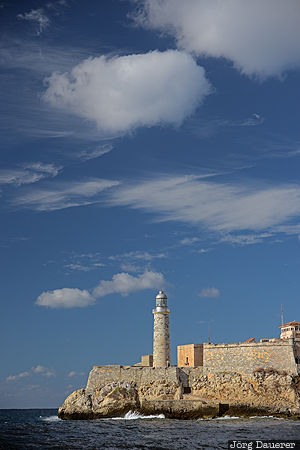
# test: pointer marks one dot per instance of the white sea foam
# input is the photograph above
(50, 419)
(228, 418)
(266, 417)
(133, 415)
(221, 418)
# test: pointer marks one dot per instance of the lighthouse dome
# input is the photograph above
(161, 295)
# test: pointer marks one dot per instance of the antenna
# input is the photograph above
(208, 332)
(282, 314)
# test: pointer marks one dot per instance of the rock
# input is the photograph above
(266, 392)
(77, 406)
(120, 399)
(114, 399)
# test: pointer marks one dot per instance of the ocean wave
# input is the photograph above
(50, 419)
(134, 415)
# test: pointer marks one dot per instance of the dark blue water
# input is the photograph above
(40, 428)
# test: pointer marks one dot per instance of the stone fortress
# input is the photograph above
(209, 379)
(278, 353)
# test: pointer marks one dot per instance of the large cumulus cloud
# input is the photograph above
(125, 92)
(261, 37)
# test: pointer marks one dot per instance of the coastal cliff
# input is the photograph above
(183, 393)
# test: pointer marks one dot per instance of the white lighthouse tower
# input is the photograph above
(161, 332)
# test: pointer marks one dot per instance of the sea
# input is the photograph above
(41, 429)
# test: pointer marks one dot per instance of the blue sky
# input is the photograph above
(144, 145)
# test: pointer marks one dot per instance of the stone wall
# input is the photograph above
(182, 393)
(246, 357)
(101, 375)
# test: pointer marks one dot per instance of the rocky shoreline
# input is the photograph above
(265, 392)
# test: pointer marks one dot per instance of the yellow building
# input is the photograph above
(190, 355)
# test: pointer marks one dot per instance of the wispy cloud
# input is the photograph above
(25, 64)
(64, 195)
(39, 370)
(131, 268)
(83, 268)
(252, 121)
(29, 173)
(246, 239)
(206, 128)
(138, 255)
(83, 262)
(38, 17)
(73, 373)
(189, 241)
(86, 155)
(19, 376)
(219, 207)
(8, 241)
(210, 292)
(43, 371)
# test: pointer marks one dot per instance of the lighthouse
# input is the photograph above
(161, 332)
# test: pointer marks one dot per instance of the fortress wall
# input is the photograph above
(101, 375)
(188, 375)
(218, 358)
(245, 358)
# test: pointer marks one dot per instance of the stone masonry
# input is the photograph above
(246, 357)
(161, 333)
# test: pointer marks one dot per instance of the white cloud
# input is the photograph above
(83, 268)
(126, 92)
(210, 292)
(138, 255)
(189, 241)
(121, 283)
(245, 239)
(124, 284)
(41, 370)
(30, 173)
(260, 37)
(79, 267)
(39, 17)
(252, 121)
(18, 376)
(218, 207)
(94, 153)
(48, 169)
(75, 374)
(66, 298)
(84, 262)
(64, 195)
(130, 268)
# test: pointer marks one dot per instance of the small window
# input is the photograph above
(187, 390)
(186, 360)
